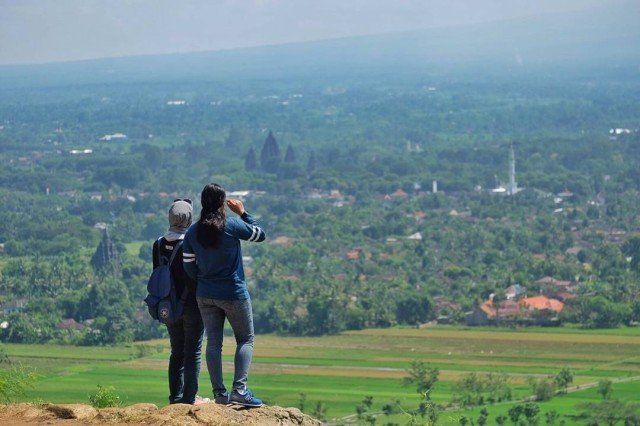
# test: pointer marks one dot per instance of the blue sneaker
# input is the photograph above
(221, 398)
(246, 400)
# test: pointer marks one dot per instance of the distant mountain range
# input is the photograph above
(593, 38)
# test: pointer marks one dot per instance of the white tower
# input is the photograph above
(434, 186)
(513, 186)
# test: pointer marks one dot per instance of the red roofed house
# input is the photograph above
(399, 193)
(542, 303)
(529, 309)
(353, 254)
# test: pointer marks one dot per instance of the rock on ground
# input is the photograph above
(150, 414)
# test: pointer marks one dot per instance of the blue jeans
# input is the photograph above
(240, 316)
(184, 363)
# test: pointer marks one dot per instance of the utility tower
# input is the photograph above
(513, 186)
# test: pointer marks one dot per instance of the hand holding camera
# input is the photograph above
(236, 206)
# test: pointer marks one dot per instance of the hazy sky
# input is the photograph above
(61, 30)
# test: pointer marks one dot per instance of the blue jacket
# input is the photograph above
(218, 271)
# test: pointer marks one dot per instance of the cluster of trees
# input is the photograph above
(484, 391)
(332, 191)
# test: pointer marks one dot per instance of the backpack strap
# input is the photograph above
(176, 248)
(159, 250)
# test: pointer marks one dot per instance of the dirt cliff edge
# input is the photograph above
(150, 414)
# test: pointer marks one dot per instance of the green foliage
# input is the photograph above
(563, 379)
(319, 411)
(328, 194)
(422, 377)
(526, 411)
(483, 417)
(105, 397)
(475, 389)
(302, 400)
(14, 378)
(362, 411)
(551, 417)
(608, 412)
(543, 389)
(605, 388)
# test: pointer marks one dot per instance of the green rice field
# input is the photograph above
(340, 370)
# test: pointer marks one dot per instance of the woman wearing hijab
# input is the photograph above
(186, 333)
(213, 257)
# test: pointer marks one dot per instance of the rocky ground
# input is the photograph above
(149, 414)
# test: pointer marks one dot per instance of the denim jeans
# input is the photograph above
(240, 316)
(184, 364)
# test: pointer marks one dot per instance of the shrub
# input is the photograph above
(14, 380)
(543, 389)
(105, 397)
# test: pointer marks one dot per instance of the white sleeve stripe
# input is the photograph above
(257, 231)
(188, 260)
(188, 255)
(252, 234)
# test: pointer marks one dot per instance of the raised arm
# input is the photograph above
(249, 229)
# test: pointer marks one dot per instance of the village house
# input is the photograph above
(353, 254)
(552, 284)
(445, 309)
(113, 136)
(542, 303)
(573, 250)
(69, 324)
(539, 310)
(515, 291)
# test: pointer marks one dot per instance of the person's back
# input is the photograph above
(213, 257)
(220, 272)
(185, 334)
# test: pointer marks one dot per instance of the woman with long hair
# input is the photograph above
(213, 257)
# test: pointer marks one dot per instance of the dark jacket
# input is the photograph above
(180, 278)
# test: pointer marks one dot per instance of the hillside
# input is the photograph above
(179, 414)
(602, 37)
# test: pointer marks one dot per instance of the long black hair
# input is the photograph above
(212, 216)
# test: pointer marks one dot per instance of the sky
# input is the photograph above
(39, 31)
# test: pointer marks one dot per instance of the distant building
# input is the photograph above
(542, 303)
(69, 324)
(353, 254)
(399, 193)
(565, 194)
(515, 291)
(113, 136)
(528, 310)
(552, 282)
(238, 194)
(80, 151)
(619, 131)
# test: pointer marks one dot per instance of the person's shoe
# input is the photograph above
(246, 400)
(221, 398)
(200, 400)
